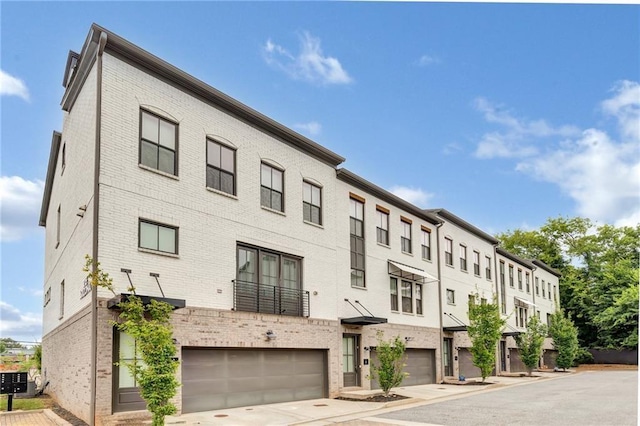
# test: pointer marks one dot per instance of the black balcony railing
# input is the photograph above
(270, 299)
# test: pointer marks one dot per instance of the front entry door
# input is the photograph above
(503, 355)
(446, 355)
(351, 360)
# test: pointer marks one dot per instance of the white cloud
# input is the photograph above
(309, 64)
(452, 148)
(37, 292)
(601, 174)
(20, 326)
(517, 137)
(312, 128)
(415, 196)
(426, 60)
(20, 201)
(13, 86)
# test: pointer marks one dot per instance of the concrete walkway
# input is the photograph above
(31, 418)
(321, 412)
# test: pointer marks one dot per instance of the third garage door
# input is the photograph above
(224, 378)
(421, 366)
(466, 366)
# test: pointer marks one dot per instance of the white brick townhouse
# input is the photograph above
(281, 265)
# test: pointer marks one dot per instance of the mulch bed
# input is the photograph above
(67, 415)
(376, 398)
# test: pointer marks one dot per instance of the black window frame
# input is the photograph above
(382, 227)
(220, 170)
(451, 300)
(448, 255)
(419, 297)
(476, 263)
(463, 259)
(158, 145)
(405, 242)
(271, 190)
(309, 205)
(393, 293)
(407, 309)
(503, 289)
(511, 281)
(487, 269)
(426, 248)
(159, 225)
(357, 244)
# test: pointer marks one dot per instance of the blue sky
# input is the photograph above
(504, 114)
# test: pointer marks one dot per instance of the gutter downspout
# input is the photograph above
(96, 198)
(440, 298)
(496, 274)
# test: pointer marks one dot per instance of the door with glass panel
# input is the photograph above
(447, 357)
(351, 360)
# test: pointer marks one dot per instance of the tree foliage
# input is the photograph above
(391, 361)
(485, 329)
(565, 339)
(530, 343)
(9, 343)
(599, 266)
(150, 326)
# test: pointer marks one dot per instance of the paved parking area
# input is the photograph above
(32, 418)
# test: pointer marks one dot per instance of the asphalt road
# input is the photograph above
(598, 398)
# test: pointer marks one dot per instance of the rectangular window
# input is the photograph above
(47, 297)
(311, 203)
(549, 288)
(407, 297)
(221, 167)
(448, 251)
(405, 236)
(382, 226)
(58, 226)
(503, 290)
(451, 297)
(61, 299)
(128, 353)
(526, 282)
(356, 230)
(476, 263)
(158, 143)
(158, 237)
(555, 294)
(271, 187)
(487, 268)
(426, 244)
(537, 287)
(64, 156)
(419, 299)
(520, 279)
(463, 258)
(394, 293)
(548, 320)
(544, 291)
(511, 276)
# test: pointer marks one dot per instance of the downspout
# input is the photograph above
(94, 252)
(440, 299)
(496, 275)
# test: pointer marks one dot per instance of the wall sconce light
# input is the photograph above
(175, 341)
(270, 335)
(366, 348)
(408, 338)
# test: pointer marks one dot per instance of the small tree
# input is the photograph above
(565, 339)
(485, 329)
(391, 360)
(151, 328)
(530, 343)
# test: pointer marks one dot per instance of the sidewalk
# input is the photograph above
(320, 412)
(31, 418)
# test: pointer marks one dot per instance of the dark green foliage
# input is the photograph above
(37, 357)
(151, 328)
(530, 343)
(583, 356)
(485, 329)
(391, 360)
(565, 339)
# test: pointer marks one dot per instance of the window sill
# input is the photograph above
(224, 194)
(452, 304)
(161, 253)
(449, 266)
(273, 211)
(408, 253)
(358, 287)
(313, 224)
(464, 270)
(383, 245)
(427, 260)
(395, 312)
(408, 313)
(158, 172)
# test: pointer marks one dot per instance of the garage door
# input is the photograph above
(223, 378)
(550, 358)
(466, 367)
(517, 366)
(421, 366)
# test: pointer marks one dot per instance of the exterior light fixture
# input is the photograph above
(271, 335)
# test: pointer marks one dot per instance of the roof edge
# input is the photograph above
(56, 138)
(457, 220)
(520, 260)
(359, 182)
(546, 267)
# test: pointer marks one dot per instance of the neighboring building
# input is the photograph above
(282, 266)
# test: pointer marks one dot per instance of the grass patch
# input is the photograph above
(25, 403)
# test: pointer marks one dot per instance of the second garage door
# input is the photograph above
(421, 366)
(517, 366)
(224, 378)
(466, 367)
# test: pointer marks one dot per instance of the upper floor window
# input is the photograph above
(555, 294)
(271, 187)
(537, 287)
(476, 263)
(526, 282)
(511, 276)
(520, 279)
(158, 143)
(382, 225)
(356, 241)
(503, 291)
(394, 293)
(407, 296)
(487, 268)
(463, 257)
(221, 167)
(426, 244)
(58, 218)
(419, 299)
(405, 236)
(158, 237)
(549, 288)
(64, 156)
(544, 291)
(311, 203)
(448, 251)
(61, 300)
(451, 297)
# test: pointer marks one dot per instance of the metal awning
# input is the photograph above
(364, 320)
(455, 328)
(409, 272)
(525, 301)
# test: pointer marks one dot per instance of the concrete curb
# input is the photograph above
(55, 418)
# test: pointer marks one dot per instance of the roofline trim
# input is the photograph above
(547, 268)
(456, 220)
(56, 138)
(524, 262)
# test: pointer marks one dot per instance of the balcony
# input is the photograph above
(269, 299)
